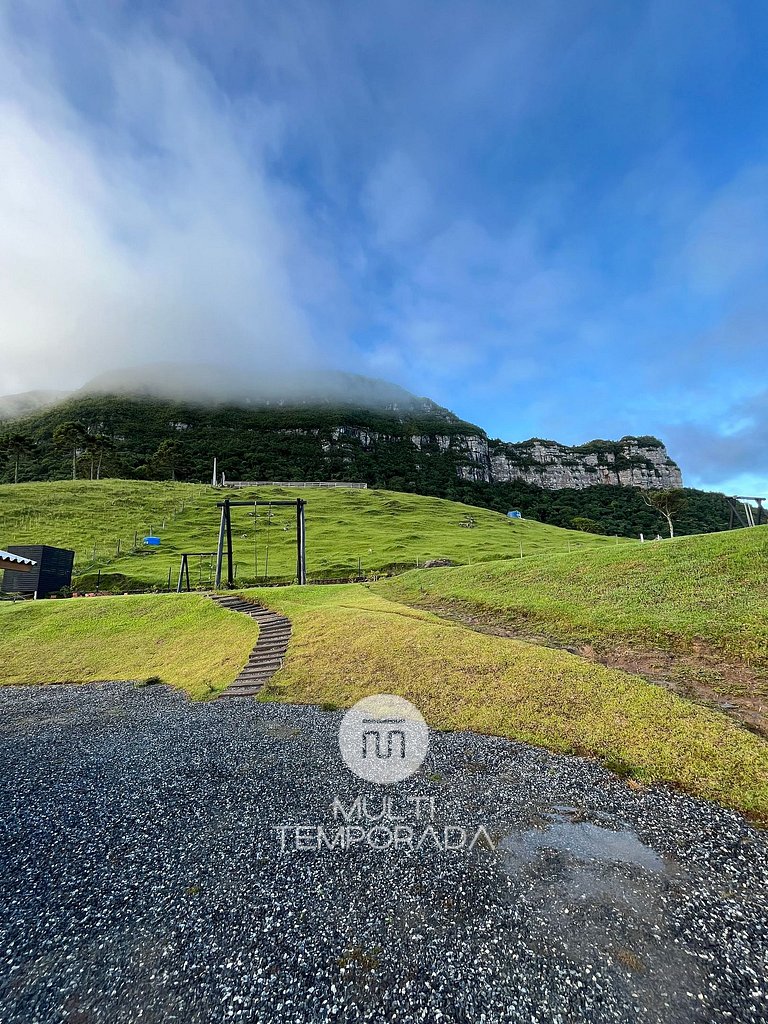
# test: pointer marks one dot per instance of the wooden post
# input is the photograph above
(301, 543)
(181, 573)
(230, 569)
(220, 551)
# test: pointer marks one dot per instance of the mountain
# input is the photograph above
(169, 420)
(13, 406)
(323, 425)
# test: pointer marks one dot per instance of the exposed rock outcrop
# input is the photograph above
(631, 462)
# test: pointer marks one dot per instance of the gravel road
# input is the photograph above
(151, 871)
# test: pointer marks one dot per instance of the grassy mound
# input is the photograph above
(186, 641)
(377, 530)
(349, 642)
(709, 590)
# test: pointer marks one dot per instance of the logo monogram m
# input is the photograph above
(391, 736)
(383, 738)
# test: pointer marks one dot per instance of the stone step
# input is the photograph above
(267, 656)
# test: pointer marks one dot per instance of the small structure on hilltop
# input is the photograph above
(43, 570)
(514, 514)
(243, 484)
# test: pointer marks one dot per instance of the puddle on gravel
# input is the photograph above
(588, 842)
(565, 831)
(604, 896)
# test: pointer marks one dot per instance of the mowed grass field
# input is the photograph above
(349, 642)
(378, 530)
(706, 591)
(184, 640)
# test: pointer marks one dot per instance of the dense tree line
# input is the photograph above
(620, 511)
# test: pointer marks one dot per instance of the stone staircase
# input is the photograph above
(267, 656)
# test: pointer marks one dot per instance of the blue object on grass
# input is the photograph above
(514, 515)
(152, 542)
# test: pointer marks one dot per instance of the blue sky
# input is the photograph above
(550, 217)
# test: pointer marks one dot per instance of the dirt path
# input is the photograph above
(702, 676)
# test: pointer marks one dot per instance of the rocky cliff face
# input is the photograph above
(631, 462)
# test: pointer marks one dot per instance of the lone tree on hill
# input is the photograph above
(96, 445)
(15, 446)
(168, 456)
(668, 503)
(586, 525)
(70, 436)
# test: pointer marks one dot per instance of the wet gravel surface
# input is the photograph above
(143, 877)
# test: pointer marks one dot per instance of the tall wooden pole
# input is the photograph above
(230, 566)
(220, 550)
(301, 543)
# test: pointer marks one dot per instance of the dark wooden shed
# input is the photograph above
(52, 571)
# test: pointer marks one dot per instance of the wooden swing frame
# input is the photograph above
(225, 538)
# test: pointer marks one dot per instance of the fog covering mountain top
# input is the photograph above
(212, 386)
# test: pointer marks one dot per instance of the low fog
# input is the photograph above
(211, 384)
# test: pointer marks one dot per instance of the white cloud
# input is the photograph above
(154, 233)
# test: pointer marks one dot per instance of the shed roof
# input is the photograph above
(8, 556)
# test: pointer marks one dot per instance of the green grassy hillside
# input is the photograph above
(710, 590)
(186, 641)
(348, 643)
(383, 529)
